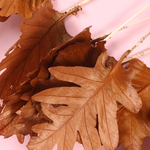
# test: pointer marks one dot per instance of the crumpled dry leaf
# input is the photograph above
(28, 116)
(133, 128)
(87, 57)
(24, 8)
(78, 51)
(9, 114)
(17, 119)
(53, 57)
(44, 31)
(84, 108)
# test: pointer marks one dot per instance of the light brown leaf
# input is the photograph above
(84, 108)
(44, 31)
(133, 128)
(141, 78)
(20, 138)
(24, 8)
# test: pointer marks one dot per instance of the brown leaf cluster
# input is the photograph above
(62, 89)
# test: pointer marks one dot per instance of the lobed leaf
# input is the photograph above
(85, 108)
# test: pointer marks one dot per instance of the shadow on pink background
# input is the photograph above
(104, 16)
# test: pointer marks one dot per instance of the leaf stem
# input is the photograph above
(124, 27)
(137, 44)
(136, 56)
(78, 6)
(124, 24)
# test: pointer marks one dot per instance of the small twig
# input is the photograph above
(124, 27)
(124, 24)
(137, 44)
(78, 6)
(136, 56)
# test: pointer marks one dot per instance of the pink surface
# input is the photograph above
(104, 16)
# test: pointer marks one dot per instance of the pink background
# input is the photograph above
(104, 16)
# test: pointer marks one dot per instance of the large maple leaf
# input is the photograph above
(44, 31)
(24, 8)
(84, 109)
(136, 127)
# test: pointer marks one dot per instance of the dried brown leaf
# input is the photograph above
(19, 121)
(44, 31)
(133, 128)
(79, 108)
(141, 78)
(87, 56)
(9, 114)
(28, 116)
(21, 125)
(24, 8)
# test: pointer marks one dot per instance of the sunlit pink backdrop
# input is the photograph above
(104, 16)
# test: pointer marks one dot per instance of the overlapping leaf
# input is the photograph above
(135, 127)
(70, 103)
(22, 121)
(141, 79)
(9, 114)
(84, 108)
(70, 50)
(24, 8)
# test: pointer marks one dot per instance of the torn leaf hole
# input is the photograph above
(96, 126)
(11, 87)
(2, 71)
(58, 105)
(79, 140)
(148, 114)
